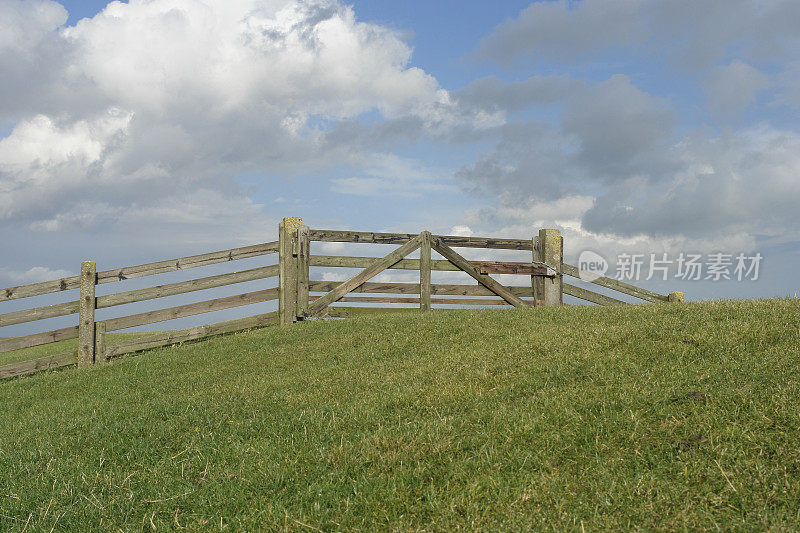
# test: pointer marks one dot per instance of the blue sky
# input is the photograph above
(160, 128)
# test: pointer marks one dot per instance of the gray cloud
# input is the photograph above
(493, 93)
(688, 33)
(609, 131)
(558, 31)
(622, 130)
(730, 89)
(737, 182)
(618, 144)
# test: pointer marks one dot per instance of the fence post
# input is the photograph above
(537, 282)
(676, 296)
(303, 253)
(425, 271)
(552, 254)
(86, 309)
(287, 269)
(100, 342)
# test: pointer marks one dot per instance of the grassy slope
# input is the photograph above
(564, 418)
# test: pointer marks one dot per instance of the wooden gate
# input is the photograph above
(87, 340)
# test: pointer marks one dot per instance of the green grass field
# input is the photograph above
(679, 416)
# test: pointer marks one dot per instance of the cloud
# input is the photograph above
(621, 129)
(686, 33)
(738, 182)
(609, 131)
(730, 89)
(32, 275)
(149, 104)
(614, 165)
(392, 176)
(561, 30)
(788, 85)
(492, 93)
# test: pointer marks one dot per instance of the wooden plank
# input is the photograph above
(364, 262)
(43, 287)
(303, 254)
(180, 311)
(473, 271)
(182, 263)
(348, 312)
(39, 364)
(374, 299)
(86, 308)
(195, 333)
(617, 285)
(371, 271)
(425, 271)
(486, 267)
(456, 241)
(37, 339)
(182, 287)
(512, 267)
(39, 313)
(589, 296)
(413, 288)
(405, 300)
(402, 238)
(392, 288)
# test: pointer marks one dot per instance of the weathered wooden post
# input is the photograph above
(303, 254)
(548, 248)
(100, 342)
(86, 309)
(425, 271)
(537, 282)
(287, 269)
(675, 296)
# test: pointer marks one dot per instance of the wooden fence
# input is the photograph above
(299, 297)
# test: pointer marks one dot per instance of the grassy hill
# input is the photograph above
(652, 417)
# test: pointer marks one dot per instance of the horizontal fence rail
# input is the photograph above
(298, 296)
(617, 285)
(486, 267)
(91, 334)
(181, 311)
(402, 238)
(189, 334)
(147, 269)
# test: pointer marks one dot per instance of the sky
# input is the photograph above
(133, 132)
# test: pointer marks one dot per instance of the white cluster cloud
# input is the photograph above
(149, 103)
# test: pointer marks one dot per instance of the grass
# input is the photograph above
(655, 417)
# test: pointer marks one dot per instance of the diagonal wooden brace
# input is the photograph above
(449, 254)
(365, 275)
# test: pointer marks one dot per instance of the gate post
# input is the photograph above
(550, 248)
(287, 269)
